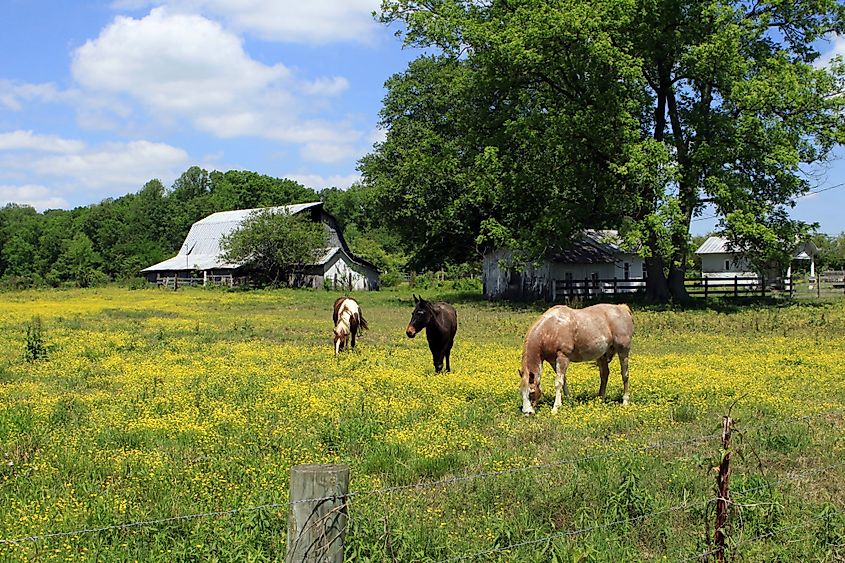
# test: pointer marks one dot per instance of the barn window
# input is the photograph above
(595, 278)
(727, 264)
(645, 271)
(568, 276)
(627, 268)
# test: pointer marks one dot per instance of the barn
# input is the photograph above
(595, 258)
(199, 256)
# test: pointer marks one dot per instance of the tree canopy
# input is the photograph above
(535, 119)
(275, 243)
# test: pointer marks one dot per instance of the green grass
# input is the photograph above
(155, 404)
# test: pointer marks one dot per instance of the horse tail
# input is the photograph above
(362, 322)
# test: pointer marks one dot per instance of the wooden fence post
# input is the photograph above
(722, 490)
(705, 288)
(316, 528)
(762, 286)
(736, 286)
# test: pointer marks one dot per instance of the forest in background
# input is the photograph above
(114, 239)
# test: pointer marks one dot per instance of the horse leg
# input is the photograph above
(353, 329)
(604, 373)
(560, 380)
(623, 361)
(448, 353)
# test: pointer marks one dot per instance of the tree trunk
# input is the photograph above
(676, 284)
(656, 288)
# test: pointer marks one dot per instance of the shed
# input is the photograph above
(200, 253)
(595, 255)
(720, 259)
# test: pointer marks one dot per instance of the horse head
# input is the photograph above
(420, 317)
(530, 382)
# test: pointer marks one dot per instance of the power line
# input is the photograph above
(809, 193)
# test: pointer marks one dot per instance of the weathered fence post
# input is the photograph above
(614, 285)
(736, 286)
(722, 490)
(318, 513)
(705, 288)
(762, 286)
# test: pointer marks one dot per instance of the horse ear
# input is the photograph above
(416, 299)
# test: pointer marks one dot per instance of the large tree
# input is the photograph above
(635, 114)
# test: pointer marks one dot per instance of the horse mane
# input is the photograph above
(336, 312)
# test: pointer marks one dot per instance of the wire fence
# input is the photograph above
(346, 499)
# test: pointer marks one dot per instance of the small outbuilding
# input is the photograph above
(721, 260)
(596, 260)
(199, 256)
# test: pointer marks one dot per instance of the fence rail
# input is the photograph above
(706, 287)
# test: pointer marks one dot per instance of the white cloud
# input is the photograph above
(326, 86)
(39, 197)
(329, 152)
(13, 94)
(119, 167)
(183, 66)
(836, 49)
(319, 182)
(290, 21)
(171, 62)
(88, 174)
(27, 140)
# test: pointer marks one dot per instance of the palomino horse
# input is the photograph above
(348, 320)
(441, 322)
(562, 335)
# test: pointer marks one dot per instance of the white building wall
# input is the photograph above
(724, 263)
(500, 279)
(342, 270)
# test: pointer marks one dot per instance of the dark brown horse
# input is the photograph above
(348, 320)
(441, 322)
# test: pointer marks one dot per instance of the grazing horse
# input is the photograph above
(562, 335)
(348, 320)
(441, 320)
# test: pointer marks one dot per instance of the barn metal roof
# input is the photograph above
(201, 249)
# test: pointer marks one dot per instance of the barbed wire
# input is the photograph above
(569, 533)
(400, 488)
(380, 491)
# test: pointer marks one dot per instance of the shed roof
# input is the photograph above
(594, 246)
(721, 245)
(201, 249)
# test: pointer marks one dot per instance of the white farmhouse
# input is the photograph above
(720, 260)
(200, 253)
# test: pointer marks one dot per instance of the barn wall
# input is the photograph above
(341, 269)
(502, 281)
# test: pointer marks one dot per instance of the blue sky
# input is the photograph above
(97, 98)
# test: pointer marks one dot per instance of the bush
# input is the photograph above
(35, 349)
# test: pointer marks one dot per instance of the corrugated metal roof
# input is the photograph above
(201, 249)
(715, 245)
(594, 246)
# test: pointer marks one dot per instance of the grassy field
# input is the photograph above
(153, 404)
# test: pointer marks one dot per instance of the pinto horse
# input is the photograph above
(441, 322)
(562, 335)
(348, 320)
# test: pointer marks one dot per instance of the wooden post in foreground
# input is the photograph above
(722, 490)
(316, 527)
